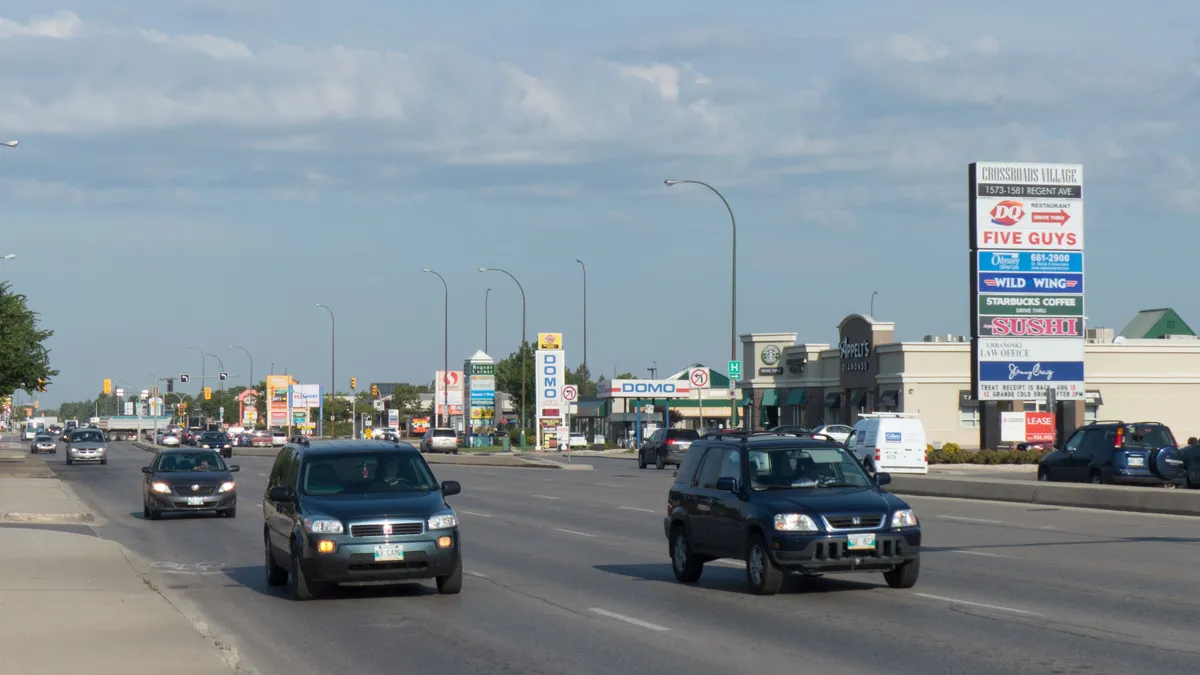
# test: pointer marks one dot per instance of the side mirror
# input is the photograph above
(451, 487)
(234, 467)
(882, 479)
(727, 484)
(280, 493)
(147, 470)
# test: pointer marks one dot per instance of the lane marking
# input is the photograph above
(972, 520)
(634, 508)
(261, 474)
(543, 497)
(627, 619)
(582, 534)
(613, 485)
(476, 574)
(476, 513)
(982, 553)
(482, 489)
(968, 603)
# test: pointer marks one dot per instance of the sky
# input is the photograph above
(201, 173)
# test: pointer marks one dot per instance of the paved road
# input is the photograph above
(569, 574)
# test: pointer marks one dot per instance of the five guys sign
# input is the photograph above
(1026, 258)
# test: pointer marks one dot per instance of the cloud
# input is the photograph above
(209, 45)
(62, 25)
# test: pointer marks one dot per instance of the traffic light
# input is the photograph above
(170, 385)
(42, 384)
(375, 391)
(184, 378)
(354, 383)
(107, 387)
(208, 393)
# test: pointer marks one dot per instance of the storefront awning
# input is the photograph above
(797, 397)
(860, 400)
(833, 400)
(745, 401)
(889, 398)
(966, 399)
(770, 397)
(1093, 397)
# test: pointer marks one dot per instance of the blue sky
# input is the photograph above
(203, 172)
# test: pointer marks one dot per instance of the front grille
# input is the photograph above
(187, 491)
(376, 529)
(840, 550)
(846, 522)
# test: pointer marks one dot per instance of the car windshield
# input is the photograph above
(87, 437)
(178, 462)
(367, 473)
(683, 434)
(1148, 436)
(786, 468)
(45, 437)
(214, 438)
(450, 433)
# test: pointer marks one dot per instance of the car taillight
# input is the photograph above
(671, 441)
(1119, 439)
(876, 454)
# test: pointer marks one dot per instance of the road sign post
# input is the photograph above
(570, 394)
(699, 379)
(735, 374)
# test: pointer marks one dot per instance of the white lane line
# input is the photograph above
(968, 603)
(613, 485)
(634, 508)
(627, 619)
(729, 562)
(543, 497)
(261, 474)
(476, 513)
(972, 520)
(982, 553)
(476, 574)
(259, 505)
(582, 534)
(483, 489)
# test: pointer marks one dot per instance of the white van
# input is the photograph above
(890, 443)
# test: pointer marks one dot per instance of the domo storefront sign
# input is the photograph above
(647, 389)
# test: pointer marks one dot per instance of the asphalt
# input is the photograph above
(568, 573)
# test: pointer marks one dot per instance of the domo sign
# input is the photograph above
(549, 376)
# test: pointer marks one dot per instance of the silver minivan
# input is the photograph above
(87, 445)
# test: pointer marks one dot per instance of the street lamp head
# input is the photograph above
(483, 269)
(11, 144)
(10, 256)
(320, 305)
(426, 270)
(579, 261)
(671, 181)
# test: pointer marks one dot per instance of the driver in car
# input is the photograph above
(390, 476)
(808, 473)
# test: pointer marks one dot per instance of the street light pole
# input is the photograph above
(485, 320)
(332, 371)
(733, 276)
(873, 294)
(585, 368)
(203, 364)
(247, 351)
(445, 345)
(221, 364)
(522, 289)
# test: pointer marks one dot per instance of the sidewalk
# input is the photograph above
(74, 602)
(40, 500)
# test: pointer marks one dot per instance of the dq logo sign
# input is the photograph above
(1008, 213)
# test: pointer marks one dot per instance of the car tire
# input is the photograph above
(299, 587)
(451, 584)
(145, 510)
(1043, 475)
(153, 513)
(277, 575)
(641, 460)
(904, 576)
(688, 567)
(763, 577)
(1096, 478)
(104, 461)
(660, 462)
(230, 513)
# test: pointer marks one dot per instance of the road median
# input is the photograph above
(1108, 497)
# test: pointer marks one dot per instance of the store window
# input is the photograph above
(968, 417)
(1090, 413)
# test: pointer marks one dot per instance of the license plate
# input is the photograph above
(860, 541)
(1137, 461)
(195, 501)
(890, 456)
(385, 552)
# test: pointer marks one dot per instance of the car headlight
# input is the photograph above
(205, 446)
(161, 488)
(226, 446)
(227, 486)
(323, 525)
(904, 518)
(443, 521)
(794, 522)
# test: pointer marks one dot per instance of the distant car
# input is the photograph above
(278, 438)
(87, 445)
(839, 432)
(440, 439)
(43, 443)
(169, 440)
(29, 434)
(385, 434)
(1125, 453)
(262, 439)
(666, 446)
(187, 479)
(216, 440)
(578, 441)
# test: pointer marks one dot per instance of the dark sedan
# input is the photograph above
(216, 440)
(186, 479)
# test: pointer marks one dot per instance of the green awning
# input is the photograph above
(744, 402)
(797, 397)
(770, 397)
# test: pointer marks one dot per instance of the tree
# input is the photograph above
(626, 376)
(24, 361)
(509, 377)
(581, 377)
(407, 398)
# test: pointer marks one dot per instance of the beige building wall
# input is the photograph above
(1155, 380)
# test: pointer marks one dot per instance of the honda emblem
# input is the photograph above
(856, 520)
(387, 528)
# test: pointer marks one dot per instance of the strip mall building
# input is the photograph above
(868, 370)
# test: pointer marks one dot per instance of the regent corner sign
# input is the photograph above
(1026, 280)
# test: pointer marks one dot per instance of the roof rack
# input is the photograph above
(741, 433)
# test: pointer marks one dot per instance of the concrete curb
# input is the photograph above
(48, 518)
(1107, 497)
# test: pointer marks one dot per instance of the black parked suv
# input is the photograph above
(787, 504)
(1131, 453)
(358, 511)
(666, 446)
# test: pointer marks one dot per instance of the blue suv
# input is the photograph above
(787, 504)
